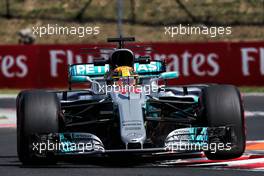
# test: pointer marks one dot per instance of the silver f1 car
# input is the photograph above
(127, 108)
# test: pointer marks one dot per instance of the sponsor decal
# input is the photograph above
(89, 70)
(46, 66)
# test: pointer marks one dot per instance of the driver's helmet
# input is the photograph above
(121, 57)
(124, 71)
(125, 75)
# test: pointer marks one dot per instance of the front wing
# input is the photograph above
(183, 140)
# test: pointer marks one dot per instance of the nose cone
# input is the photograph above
(131, 117)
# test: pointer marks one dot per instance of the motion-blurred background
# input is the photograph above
(30, 61)
(144, 19)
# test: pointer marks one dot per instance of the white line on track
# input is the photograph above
(257, 94)
(235, 163)
(13, 96)
(256, 141)
(254, 113)
(10, 118)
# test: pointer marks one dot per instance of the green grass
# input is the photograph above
(150, 18)
(150, 11)
(9, 91)
(2, 117)
(252, 89)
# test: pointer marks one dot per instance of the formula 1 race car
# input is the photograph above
(127, 108)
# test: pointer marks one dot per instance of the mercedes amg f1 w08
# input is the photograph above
(128, 108)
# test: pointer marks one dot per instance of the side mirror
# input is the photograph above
(169, 75)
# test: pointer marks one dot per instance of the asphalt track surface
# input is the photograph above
(9, 164)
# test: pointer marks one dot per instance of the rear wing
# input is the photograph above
(79, 72)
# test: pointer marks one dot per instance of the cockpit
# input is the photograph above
(122, 57)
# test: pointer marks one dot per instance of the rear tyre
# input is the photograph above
(37, 112)
(223, 107)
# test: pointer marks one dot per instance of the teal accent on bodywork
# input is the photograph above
(61, 137)
(88, 70)
(196, 99)
(199, 134)
(169, 75)
(154, 67)
(151, 110)
(78, 79)
(66, 144)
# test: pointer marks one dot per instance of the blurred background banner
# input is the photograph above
(34, 55)
(45, 66)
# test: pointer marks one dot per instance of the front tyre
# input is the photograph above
(223, 107)
(37, 112)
